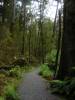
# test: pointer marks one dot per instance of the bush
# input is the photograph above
(57, 86)
(66, 87)
(45, 71)
(10, 93)
(50, 57)
(2, 98)
(3, 82)
(15, 72)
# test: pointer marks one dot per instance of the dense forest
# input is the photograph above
(25, 33)
(29, 38)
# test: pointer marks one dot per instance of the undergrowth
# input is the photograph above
(2, 98)
(46, 72)
(10, 92)
(66, 88)
(9, 82)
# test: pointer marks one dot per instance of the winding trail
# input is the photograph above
(34, 87)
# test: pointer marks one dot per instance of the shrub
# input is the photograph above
(45, 71)
(10, 93)
(15, 72)
(57, 86)
(2, 98)
(50, 57)
(3, 82)
(66, 87)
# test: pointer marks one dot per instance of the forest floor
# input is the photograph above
(34, 87)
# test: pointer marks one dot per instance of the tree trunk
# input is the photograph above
(67, 59)
(58, 45)
(24, 30)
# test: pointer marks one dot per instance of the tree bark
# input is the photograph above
(58, 45)
(67, 59)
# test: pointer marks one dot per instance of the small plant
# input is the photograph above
(2, 98)
(66, 87)
(45, 71)
(50, 57)
(57, 86)
(10, 93)
(15, 72)
(3, 82)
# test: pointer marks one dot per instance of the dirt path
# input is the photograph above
(34, 87)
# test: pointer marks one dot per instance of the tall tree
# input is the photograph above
(67, 60)
(42, 4)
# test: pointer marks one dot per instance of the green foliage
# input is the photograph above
(2, 98)
(66, 87)
(15, 72)
(7, 49)
(73, 68)
(50, 57)
(3, 82)
(8, 83)
(57, 86)
(45, 71)
(10, 92)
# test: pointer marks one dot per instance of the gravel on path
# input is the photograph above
(34, 87)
